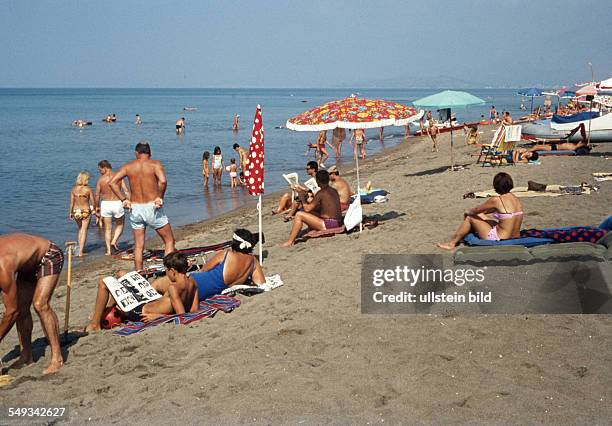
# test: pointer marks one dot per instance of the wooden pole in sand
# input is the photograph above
(69, 247)
(260, 233)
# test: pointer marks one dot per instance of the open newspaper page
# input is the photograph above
(312, 185)
(130, 290)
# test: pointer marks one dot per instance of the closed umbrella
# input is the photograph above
(449, 99)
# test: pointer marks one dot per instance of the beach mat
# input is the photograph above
(159, 254)
(551, 191)
(601, 177)
(208, 308)
(539, 237)
(324, 233)
(562, 152)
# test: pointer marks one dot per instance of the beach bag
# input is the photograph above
(353, 215)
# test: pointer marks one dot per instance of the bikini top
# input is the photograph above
(500, 216)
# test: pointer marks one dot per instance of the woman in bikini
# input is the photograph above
(218, 166)
(231, 267)
(504, 222)
(81, 208)
(358, 139)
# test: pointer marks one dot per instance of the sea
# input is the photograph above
(41, 153)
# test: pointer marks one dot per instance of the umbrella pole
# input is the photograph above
(69, 247)
(358, 185)
(452, 162)
(589, 135)
(532, 106)
(260, 233)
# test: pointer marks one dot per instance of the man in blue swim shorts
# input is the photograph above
(147, 188)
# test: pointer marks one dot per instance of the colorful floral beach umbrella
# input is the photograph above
(255, 178)
(353, 113)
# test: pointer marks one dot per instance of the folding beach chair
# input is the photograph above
(504, 140)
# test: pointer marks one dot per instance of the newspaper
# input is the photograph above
(291, 178)
(312, 185)
(130, 290)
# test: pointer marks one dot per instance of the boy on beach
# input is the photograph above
(148, 183)
(109, 206)
(179, 295)
(233, 172)
(29, 271)
(244, 157)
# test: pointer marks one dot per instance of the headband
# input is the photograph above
(243, 243)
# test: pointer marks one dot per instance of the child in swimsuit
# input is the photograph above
(233, 173)
(205, 167)
(218, 166)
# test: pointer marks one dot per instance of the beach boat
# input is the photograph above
(559, 127)
(190, 109)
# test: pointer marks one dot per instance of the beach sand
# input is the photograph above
(304, 352)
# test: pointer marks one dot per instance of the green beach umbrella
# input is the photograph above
(449, 99)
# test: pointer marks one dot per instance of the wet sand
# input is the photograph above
(304, 352)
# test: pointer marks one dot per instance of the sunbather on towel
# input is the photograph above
(340, 185)
(228, 268)
(179, 295)
(517, 156)
(581, 148)
(323, 212)
(504, 222)
(287, 204)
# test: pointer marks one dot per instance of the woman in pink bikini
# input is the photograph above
(498, 218)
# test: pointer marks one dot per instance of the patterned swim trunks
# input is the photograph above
(51, 263)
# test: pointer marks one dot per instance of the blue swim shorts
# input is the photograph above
(143, 215)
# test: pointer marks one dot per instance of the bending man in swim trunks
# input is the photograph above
(147, 189)
(179, 295)
(322, 213)
(109, 206)
(29, 271)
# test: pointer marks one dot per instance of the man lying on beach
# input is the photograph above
(29, 271)
(517, 156)
(179, 295)
(109, 206)
(147, 188)
(340, 185)
(322, 213)
(287, 204)
(581, 148)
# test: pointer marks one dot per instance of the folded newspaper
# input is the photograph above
(130, 290)
(272, 282)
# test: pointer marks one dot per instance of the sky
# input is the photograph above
(303, 44)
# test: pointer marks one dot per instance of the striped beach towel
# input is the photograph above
(208, 308)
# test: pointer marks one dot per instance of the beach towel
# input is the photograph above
(324, 233)
(272, 282)
(207, 309)
(159, 254)
(601, 177)
(561, 152)
(372, 196)
(551, 191)
(574, 234)
(474, 240)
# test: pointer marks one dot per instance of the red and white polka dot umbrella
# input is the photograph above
(255, 177)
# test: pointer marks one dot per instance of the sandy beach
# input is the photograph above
(304, 353)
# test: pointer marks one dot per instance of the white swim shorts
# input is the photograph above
(112, 209)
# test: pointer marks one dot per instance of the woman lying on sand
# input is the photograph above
(230, 267)
(506, 216)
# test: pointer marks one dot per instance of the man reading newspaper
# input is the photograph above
(139, 301)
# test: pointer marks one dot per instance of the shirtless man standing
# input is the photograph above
(338, 136)
(180, 126)
(322, 213)
(244, 157)
(147, 188)
(179, 295)
(29, 271)
(109, 206)
(340, 185)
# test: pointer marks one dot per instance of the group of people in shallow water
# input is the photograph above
(237, 170)
(357, 140)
